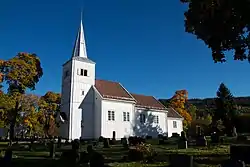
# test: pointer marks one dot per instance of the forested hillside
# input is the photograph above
(242, 102)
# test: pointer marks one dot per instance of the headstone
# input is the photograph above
(124, 142)
(234, 132)
(182, 143)
(200, 138)
(215, 138)
(233, 163)
(59, 142)
(52, 149)
(106, 143)
(31, 144)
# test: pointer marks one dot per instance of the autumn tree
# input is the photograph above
(226, 109)
(49, 105)
(178, 102)
(30, 114)
(19, 73)
(223, 25)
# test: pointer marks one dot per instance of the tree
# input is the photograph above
(223, 25)
(30, 114)
(226, 109)
(49, 105)
(19, 73)
(192, 109)
(178, 102)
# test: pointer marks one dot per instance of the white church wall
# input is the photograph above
(64, 127)
(90, 78)
(149, 126)
(174, 129)
(120, 127)
(80, 89)
(88, 113)
(98, 115)
(65, 100)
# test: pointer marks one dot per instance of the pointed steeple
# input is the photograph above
(80, 45)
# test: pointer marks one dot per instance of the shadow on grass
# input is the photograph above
(22, 162)
(211, 160)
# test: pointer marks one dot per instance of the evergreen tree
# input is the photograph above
(225, 108)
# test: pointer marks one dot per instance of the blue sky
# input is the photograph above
(142, 44)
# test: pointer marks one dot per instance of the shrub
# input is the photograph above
(101, 139)
(143, 152)
(136, 140)
(175, 135)
(75, 144)
(160, 136)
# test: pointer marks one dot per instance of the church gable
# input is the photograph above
(173, 114)
(148, 102)
(112, 90)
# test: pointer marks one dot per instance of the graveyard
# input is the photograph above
(202, 151)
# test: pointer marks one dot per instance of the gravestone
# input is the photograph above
(215, 138)
(75, 151)
(200, 138)
(106, 143)
(234, 132)
(124, 142)
(52, 149)
(59, 142)
(233, 163)
(182, 143)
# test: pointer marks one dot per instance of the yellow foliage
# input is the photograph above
(178, 103)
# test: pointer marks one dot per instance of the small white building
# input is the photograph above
(95, 108)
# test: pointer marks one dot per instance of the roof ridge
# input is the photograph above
(141, 95)
(160, 103)
(107, 80)
(127, 91)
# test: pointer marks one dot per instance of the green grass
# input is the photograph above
(207, 156)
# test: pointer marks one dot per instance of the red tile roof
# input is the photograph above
(112, 90)
(173, 114)
(148, 101)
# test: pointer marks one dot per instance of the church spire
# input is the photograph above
(80, 45)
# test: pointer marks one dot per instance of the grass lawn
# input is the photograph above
(208, 157)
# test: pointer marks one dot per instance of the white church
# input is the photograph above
(95, 108)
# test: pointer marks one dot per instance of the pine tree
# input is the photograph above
(225, 107)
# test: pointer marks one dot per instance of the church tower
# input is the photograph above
(77, 79)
